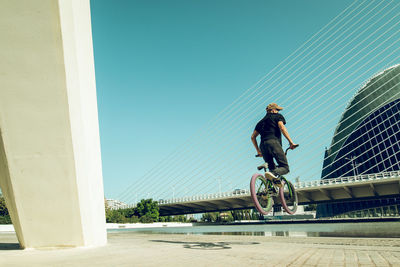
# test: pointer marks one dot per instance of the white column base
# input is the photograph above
(50, 163)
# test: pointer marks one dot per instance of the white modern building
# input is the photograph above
(114, 204)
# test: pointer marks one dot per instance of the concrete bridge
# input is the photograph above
(351, 188)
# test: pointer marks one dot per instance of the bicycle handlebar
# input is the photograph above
(287, 149)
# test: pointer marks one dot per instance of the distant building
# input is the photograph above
(366, 139)
(115, 204)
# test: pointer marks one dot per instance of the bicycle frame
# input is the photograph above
(266, 192)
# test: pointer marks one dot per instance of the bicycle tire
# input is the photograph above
(288, 195)
(258, 190)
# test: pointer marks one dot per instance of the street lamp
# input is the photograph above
(186, 191)
(355, 165)
(173, 192)
(219, 184)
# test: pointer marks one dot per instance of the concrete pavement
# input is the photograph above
(137, 249)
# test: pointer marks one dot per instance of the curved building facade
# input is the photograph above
(367, 137)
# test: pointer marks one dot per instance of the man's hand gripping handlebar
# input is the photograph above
(294, 146)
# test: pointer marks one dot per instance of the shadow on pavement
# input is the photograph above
(10, 246)
(206, 245)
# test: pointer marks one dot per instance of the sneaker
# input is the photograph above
(264, 166)
(272, 177)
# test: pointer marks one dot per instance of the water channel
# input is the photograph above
(354, 229)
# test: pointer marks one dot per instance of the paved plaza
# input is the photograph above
(137, 249)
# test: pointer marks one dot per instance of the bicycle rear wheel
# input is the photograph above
(259, 193)
(288, 196)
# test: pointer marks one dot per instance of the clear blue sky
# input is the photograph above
(166, 68)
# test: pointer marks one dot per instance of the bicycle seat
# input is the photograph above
(263, 166)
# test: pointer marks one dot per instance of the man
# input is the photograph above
(270, 129)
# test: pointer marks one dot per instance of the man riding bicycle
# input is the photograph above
(270, 129)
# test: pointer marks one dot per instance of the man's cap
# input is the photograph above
(274, 106)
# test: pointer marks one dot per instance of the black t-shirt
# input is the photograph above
(268, 127)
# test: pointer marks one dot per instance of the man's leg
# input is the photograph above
(280, 157)
(267, 155)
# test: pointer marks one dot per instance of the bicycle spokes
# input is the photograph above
(260, 194)
(288, 197)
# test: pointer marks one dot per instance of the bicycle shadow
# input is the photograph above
(206, 245)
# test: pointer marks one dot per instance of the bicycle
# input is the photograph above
(263, 191)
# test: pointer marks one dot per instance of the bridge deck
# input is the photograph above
(371, 186)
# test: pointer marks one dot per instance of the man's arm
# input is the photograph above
(286, 134)
(254, 140)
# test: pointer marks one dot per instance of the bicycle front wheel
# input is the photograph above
(288, 196)
(259, 193)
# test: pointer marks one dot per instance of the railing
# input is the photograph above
(241, 192)
(349, 179)
(382, 211)
(332, 181)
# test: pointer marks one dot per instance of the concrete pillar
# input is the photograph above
(50, 164)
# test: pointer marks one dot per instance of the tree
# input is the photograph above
(4, 215)
(3, 207)
(133, 219)
(225, 217)
(146, 211)
(179, 218)
(176, 218)
(129, 212)
(255, 215)
(148, 208)
(147, 218)
(209, 217)
(115, 216)
(236, 215)
(165, 219)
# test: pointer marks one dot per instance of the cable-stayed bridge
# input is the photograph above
(371, 186)
(343, 81)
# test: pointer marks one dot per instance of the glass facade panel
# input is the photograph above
(369, 146)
